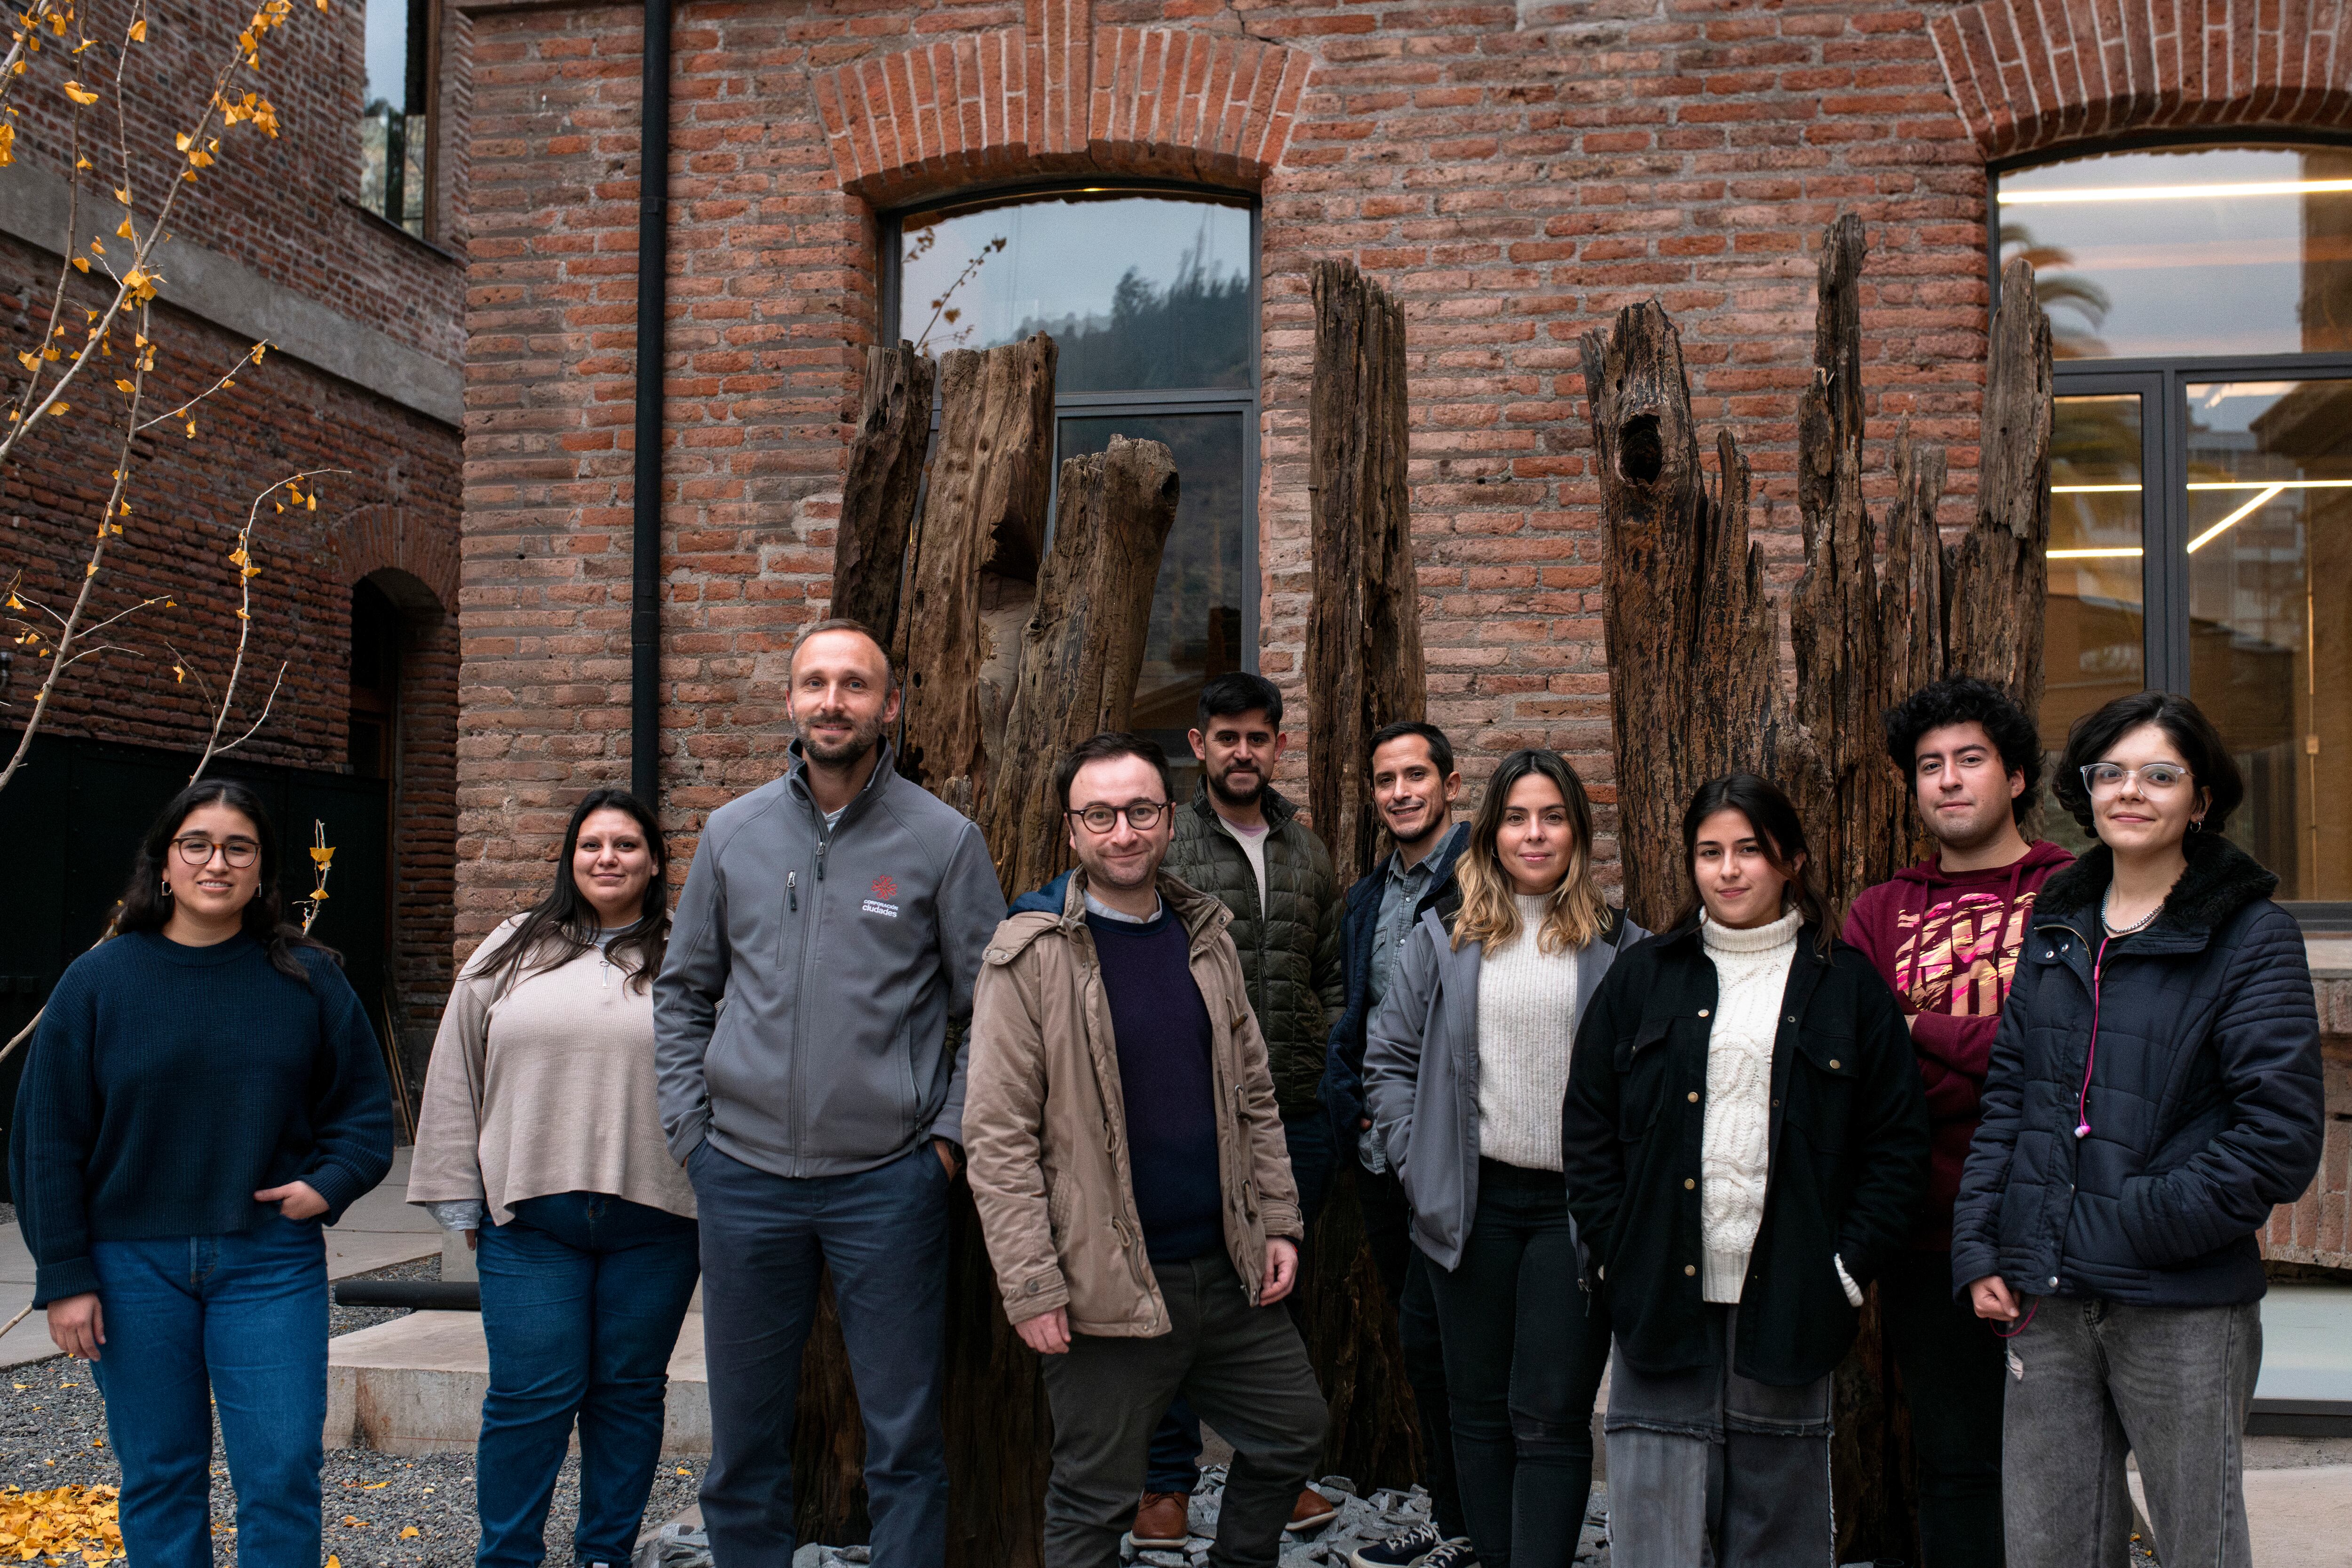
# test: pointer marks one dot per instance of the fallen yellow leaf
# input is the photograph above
(409, 1534)
(79, 93)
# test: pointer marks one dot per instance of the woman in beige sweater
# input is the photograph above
(541, 1144)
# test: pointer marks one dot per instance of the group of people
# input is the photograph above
(2011, 1082)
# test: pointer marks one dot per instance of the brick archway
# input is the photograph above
(2026, 76)
(369, 539)
(1058, 95)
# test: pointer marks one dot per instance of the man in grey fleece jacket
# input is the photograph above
(829, 935)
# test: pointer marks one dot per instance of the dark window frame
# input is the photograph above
(1244, 403)
(2162, 383)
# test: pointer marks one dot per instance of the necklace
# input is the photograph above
(2140, 924)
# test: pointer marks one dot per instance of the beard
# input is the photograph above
(861, 740)
(1978, 829)
(1223, 790)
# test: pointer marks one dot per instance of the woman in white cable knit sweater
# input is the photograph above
(1745, 1140)
(1464, 1070)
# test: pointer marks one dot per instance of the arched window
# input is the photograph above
(1150, 295)
(2201, 504)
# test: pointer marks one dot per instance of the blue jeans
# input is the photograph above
(766, 1240)
(583, 1296)
(236, 1322)
(1174, 1464)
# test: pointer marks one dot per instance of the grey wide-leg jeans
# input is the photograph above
(1706, 1456)
(2091, 1381)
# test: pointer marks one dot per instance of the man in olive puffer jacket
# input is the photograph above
(1242, 843)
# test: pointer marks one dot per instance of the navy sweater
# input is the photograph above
(169, 1084)
(1163, 1031)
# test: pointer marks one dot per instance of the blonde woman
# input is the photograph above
(1465, 1071)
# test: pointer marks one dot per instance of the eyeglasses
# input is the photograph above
(1142, 814)
(198, 850)
(2107, 778)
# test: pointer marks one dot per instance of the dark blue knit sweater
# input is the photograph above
(169, 1084)
(1162, 1029)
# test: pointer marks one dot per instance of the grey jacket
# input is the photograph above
(1421, 1070)
(802, 1017)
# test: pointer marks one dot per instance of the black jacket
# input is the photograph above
(1342, 1090)
(2205, 1101)
(1290, 948)
(1848, 1146)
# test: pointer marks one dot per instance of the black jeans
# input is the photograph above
(1953, 1372)
(1524, 1355)
(1241, 1365)
(1404, 1274)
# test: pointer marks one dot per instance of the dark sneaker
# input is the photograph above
(1454, 1553)
(1162, 1521)
(1407, 1550)
(1312, 1510)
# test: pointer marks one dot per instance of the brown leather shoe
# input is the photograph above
(1160, 1522)
(1312, 1512)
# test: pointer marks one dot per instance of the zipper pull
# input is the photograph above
(821, 846)
(793, 889)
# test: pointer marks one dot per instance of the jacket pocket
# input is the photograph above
(1641, 1071)
(1822, 1089)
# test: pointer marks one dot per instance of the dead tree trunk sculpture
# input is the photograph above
(877, 495)
(984, 517)
(1082, 648)
(1364, 666)
(1694, 676)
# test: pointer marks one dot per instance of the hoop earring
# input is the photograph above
(2196, 825)
(167, 887)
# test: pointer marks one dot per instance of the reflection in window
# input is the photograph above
(2269, 554)
(2094, 638)
(394, 131)
(2239, 249)
(1139, 292)
(1196, 609)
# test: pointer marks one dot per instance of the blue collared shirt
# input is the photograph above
(1392, 926)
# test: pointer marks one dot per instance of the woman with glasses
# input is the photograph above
(539, 1142)
(2154, 1090)
(1747, 1145)
(204, 1094)
(1464, 1072)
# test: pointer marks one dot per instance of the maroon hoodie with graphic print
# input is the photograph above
(1947, 942)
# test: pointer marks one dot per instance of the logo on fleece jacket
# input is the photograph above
(883, 889)
(1958, 955)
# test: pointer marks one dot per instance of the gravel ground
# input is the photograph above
(53, 1433)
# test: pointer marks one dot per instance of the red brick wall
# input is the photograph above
(288, 207)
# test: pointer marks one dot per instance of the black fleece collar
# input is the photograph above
(2219, 880)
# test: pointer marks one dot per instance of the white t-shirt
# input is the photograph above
(1253, 843)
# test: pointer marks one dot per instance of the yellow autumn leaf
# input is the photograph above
(82, 263)
(334, 1562)
(79, 93)
(139, 31)
(57, 408)
(411, 1532)
(179, 675)
(322, 855)
(8, 142)
(122, 384)
(372, 1486)
(183, 140)
(124, 231)
(27, 360)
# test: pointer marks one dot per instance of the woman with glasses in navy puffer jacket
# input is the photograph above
(2155, 1090)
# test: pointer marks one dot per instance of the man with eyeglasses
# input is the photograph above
(1129, 1165)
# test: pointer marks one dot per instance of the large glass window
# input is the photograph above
(1151, 297)
(2201, 472)
(395, 127)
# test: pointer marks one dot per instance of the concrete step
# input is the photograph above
(414, 1385)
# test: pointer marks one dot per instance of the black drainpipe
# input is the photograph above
(653, 294)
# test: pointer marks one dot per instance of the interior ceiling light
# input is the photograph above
(2272, 485)
(2110, 554)
(2177, 193)
(2206, 537)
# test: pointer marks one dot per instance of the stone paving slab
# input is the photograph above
(414, 1385)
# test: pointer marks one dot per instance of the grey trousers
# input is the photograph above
(1707, 1458)
(2091, 1381)
(1246, 1372)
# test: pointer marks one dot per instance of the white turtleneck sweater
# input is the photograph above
(1751, 970)
(1526, 1026)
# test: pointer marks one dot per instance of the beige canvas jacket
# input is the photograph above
(1044, 1124)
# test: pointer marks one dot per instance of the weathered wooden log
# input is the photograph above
(1364, 663)
(1082, 648)
(878, 493)
(1997, 576)
(1686, 610)
(985, 513)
